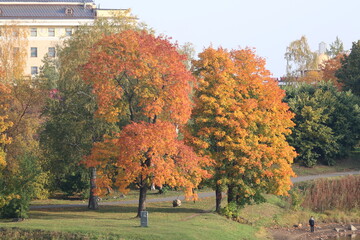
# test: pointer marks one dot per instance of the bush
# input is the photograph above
(232, 210)
(22, 185)
(327, 123)
(296, 198)
(40, 186)
(74, 183)
(164, 189)
(17, 208)
(21, 234)
(328, 194)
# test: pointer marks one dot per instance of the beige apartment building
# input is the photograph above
(48, 23)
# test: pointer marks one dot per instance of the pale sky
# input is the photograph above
(267, 25)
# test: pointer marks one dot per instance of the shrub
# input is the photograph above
(327, 123)
(22, 185)
(232, 210)
(296, 198)
(327, 194)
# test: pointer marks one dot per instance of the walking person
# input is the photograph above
(312, 224)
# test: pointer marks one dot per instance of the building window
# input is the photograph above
(34, 70)
(69, 11)
(51, 52)
(33, 32)
(33, 52)
(51, 32)
(68, 31)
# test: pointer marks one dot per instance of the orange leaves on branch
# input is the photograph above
(329, 69)
(133, 70)
(141, 80)
(311, 77)
(149, 152)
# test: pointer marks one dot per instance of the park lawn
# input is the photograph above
(190, 221)
(115, 196)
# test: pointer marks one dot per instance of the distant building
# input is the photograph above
(49, 22)
(322, 48)
(322, 55)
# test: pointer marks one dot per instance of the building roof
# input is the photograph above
(53, 11)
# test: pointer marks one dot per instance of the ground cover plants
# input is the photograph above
(190, 221)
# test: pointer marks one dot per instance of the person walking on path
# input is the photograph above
(312, 224)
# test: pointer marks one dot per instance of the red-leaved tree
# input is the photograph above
(140, 82)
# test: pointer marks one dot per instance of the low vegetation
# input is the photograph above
(328, 194)
(192, 220)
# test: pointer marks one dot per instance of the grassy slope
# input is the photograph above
(190, 221)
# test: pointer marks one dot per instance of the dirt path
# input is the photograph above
(201, 195)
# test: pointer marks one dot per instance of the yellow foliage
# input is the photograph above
(239, 113)
(13, 48)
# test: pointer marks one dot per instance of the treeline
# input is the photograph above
(124, 103)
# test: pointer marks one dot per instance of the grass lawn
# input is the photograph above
(115, 196)
(190, 221)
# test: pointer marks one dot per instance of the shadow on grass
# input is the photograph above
(82, 212)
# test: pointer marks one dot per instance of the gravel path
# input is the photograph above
(327, 175)
(201, 195)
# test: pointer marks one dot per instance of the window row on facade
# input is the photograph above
(34, 52)
(51, 32)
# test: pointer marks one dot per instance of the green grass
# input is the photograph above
(190, 221)
(115, 196)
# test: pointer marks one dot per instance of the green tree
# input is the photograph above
(336, 48)
(23, 185)
(327, 122)
(21, 174)
(349, 72)
(299, 58)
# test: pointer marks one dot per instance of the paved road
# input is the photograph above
(201, 195)
(327, 175)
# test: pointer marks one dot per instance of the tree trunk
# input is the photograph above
(231, 193)
(218, 195)
(93, 199)
(142, 199)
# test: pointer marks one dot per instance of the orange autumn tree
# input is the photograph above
(311, 77)
(240, 122)
(141, 83)
(329, 69)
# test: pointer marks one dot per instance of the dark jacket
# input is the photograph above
(312, 222)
